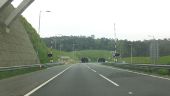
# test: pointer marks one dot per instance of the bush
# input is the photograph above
(163, 71)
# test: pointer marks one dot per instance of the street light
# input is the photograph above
(39, 25)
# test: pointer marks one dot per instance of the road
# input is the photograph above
(98, 80)
(85, 80)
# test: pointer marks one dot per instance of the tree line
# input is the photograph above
(140, 48)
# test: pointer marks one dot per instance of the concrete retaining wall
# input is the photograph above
(15, 47)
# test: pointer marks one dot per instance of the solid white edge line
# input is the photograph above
(138, 73)
(109, 80)
(35, 89)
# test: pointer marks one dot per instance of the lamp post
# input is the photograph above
(39, 25)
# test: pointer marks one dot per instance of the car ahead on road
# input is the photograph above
(101, 60)
(84, 60)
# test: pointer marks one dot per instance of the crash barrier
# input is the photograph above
(29, 66)
(161, 68)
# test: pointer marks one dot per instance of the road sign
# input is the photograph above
(50, 55)
(116, 54)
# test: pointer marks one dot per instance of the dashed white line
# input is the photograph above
(91, 68)
(109, 80)
(130, 93)
(114, 83)
(35, 89)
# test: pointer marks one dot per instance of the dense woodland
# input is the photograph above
(140, 48)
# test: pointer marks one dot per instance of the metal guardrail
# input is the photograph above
(140, 66)
(28, 66)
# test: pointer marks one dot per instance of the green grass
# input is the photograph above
(146, 60)
(164, 60)
(11, 73)
(137, 60)
(38, 44)
(95, 54)
(163, 72)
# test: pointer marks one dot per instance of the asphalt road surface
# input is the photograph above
(98, 80)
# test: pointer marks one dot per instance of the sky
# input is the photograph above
(134, 19)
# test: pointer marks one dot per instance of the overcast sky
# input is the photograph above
(135, 19)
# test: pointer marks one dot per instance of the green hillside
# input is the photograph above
(93, 55)
(38, 44)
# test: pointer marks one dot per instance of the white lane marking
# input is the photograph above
(103, 77)
(139, 73)
(109, 80)
(35, 89)
(91, 68)
(130, 93)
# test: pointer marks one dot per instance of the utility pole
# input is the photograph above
(115, 38)
(131, 53)
(51, 51)
(154, 50)
(59, 43)
(115, 54)
(60, 48)
(74, 52)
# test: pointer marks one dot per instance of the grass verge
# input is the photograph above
(11, 73)
(158, 71)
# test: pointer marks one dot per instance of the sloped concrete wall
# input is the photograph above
(15, 47)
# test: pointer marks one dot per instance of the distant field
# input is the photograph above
(137, 60)
(146, 60)
(93, 55)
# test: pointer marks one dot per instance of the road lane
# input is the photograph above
(85, 80)
(80, 81)
(22, 84)
(43, 84)
(140, 85)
